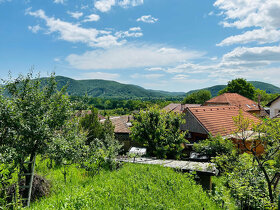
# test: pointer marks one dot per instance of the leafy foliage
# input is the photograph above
(101, 154)
(159, 131)
(240, 86)
(198, 97)
(214, 146)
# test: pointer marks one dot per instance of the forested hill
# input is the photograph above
(110, 89)
(269, 88)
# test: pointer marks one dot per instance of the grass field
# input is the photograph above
(130, 187)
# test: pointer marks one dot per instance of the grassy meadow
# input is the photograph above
(131, 187)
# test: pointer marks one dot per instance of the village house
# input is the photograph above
(234, 99)
(205, 121)
(274, 107)
(179, 108)
(122, 131)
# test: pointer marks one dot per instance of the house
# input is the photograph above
(274, 106)
(122, 131)
(179, 108)
(234, 99)
(202, 122)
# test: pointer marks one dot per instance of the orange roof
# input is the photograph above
(234, 99)
(218, 120)
(179, 108)
(121, 123)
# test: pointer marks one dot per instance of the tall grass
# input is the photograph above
(131, 187)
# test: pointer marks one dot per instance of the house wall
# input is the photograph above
(192, 125)
(274, 108)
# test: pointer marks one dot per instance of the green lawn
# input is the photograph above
(131, 187)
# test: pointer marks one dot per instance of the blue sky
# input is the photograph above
(174, 45)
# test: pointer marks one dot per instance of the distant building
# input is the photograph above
(234, 99)
(122, 131)
(179, 108)
(274, 106)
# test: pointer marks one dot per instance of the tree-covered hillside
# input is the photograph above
(269, 88)
(106, 88)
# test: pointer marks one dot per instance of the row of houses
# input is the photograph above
(214, 117)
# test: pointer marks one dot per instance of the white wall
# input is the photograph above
(274, 108)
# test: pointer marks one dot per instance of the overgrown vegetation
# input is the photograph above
(131, 187)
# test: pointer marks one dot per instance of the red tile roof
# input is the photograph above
(179, 108)
(121, 123)
(234, 99)
(218, 120)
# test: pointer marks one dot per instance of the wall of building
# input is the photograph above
(192, 125)
(274, 108)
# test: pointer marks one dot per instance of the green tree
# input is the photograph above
(29, 117)
(159, 131)
(240, 86)
(91, 124)
(198, 97)
(68, 146)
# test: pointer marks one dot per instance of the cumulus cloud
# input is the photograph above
(147, 19)
(132, 32)
(35, 28)
(254, 54)
(261, 18)
(130, 56)
(261, 36)
(75, 33)
(91, 18)
(106, 5)
(75, 15)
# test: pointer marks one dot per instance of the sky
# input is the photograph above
(172, 45)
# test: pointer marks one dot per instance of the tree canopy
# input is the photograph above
(240, 86)
(198, 97)
(159, 131)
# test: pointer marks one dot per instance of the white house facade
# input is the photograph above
(274, 107)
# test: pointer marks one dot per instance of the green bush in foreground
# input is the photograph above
(131, 187)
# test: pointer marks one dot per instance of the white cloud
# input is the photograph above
(104, 5)
(155, 69)
(146, 76)
(147, 19)
(130, 56)
(75, 33)
(99, 75)
(254, 54)
(132, 32)
(261, 36)
(261, 18)
(75, 15)
(58, 1)
(91, 18)
(56, 59)
(34, 29)
(133, 3)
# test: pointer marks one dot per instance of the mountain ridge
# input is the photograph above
(113, 89)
